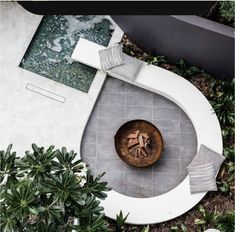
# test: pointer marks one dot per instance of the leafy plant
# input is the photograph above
(175, 229)
(145, 229)
(224, 187)
(208, 217)
(225, 222)
(228, 133)
(221, 221)
(227, 11)
(8, 170)
(183, 69)
(48, 190)
(182, 228)
(222, 100)
(120, 221)
(229, 152)
(156, 60)
(222, 88)
(224, 109)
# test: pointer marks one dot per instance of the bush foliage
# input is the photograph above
(49, 190)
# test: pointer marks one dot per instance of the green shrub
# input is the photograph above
(156, 60)
(225, 222)
(120, 222)
(227, 11)
(48, 190)
(222, 100)
(185, 70)
(221, 221)
(182, 228)
(224, 109)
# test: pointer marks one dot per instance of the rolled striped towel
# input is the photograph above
(202, 178)
(111, 57)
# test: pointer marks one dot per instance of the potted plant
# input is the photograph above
(203, 40)
(49, 190)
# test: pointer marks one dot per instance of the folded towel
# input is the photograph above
(205, 155)
(111, 57)
(202, 178)
(129, 69)
(204, 169)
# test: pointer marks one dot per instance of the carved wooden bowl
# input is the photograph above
(155, 137)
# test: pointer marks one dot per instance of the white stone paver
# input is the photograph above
(27, 117)
(179, 200)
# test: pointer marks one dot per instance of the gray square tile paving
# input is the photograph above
(137, 190)
(111, 111)
(92, 123)
(109, 123)
(167, 125)
(89, 149)
(112, 99)
(171, 139)
(139, 112)
(166, 113)
(167, 166)
(114, 86)
(120, 102)
(139, 99)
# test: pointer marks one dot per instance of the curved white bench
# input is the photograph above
(179, 200)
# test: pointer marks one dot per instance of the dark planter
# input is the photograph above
(201, 42)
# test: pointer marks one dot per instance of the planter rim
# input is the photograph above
(206, 24)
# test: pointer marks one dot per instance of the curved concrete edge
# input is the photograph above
(189, 99)
(179, 200)
(153, 209)
(177, 89)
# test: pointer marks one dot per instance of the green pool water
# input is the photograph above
(53, 43)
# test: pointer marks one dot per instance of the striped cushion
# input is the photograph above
(205, 155)
(111, 57)
(202, 178)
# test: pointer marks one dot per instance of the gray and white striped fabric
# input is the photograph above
(204, 169)
(205, 155)
(111, 57)
(202, 178)
(129, 69)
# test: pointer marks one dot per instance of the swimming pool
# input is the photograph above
(53, 43)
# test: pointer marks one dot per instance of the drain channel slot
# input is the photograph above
(45, 93)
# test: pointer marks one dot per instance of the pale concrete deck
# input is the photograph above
(27, 117)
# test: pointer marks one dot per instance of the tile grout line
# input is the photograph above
(124, 172)
(180, 143)
(97, 130)
(125, 102)
(152, 166)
